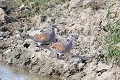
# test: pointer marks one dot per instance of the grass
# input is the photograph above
(113, 37)
(37, 7)
(41, 7)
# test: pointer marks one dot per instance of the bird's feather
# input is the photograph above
(58, 47)
(42, 37)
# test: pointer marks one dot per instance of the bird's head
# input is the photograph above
(71, 37)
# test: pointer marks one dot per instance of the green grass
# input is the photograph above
(41, 7)
(38, 7)
(113, 37)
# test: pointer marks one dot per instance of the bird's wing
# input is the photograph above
(58, 47)
(43, 37)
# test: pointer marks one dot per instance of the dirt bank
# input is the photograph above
(87, 54)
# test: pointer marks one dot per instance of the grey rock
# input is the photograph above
(89, 77)
(3, 4)
(9, 19)
(6, 33)
(1, 34)
(2, 14)
(85, 2)
(75, 3)
(77, 76)
(103, 67)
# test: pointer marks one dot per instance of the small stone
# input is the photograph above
(9, 61)
(75, 3)
(36, 20)
(85, 2)
(103, 66)
(90, 68)
(89, 77)
(1, 34)
(109, 75)
(2, 14)
(76, 76)
(9, 19)
(7, 51)
(43, 18)
(6, 33)
(80, 65)
(3, 4)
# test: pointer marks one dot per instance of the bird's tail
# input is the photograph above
(27, 36)
(47, 47)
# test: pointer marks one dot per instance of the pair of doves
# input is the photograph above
(48, 37)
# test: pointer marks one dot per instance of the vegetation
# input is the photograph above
(38, 7)
(113, 37)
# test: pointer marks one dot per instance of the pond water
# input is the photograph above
(17, 73)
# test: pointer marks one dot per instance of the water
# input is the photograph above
(17, 73)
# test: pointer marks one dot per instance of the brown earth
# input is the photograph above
(86, 59)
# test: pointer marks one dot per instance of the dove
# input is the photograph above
(44, 37)
(62, 47)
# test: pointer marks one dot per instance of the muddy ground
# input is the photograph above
(86, 61)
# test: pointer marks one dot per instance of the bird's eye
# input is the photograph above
(68, 40)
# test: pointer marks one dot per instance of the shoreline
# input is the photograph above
(87, 60)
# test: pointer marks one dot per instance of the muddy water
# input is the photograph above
(17, 73)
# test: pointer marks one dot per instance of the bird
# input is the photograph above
(43, 38)
(60, 48)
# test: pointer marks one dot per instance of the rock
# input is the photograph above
(80, 38)
(94, 4)
(46, 52)
(26, 62)
(7, 52)
(3, 4)
(51, 20)
(103, 66)
(86, 15)
(80, 66)
(1, 34)
(34, 58)
(43, 18)
(76, 76)
(23, 8)
(2, 15)
(86, 31)
(9, 19)
(6, 33)
(36, 20)
(89, 77)
(90, 68)
(75, 3)
(35, 68)
(118, 45)
(9, 61)
(110, 75)
(77, 28)
(1, 57)
(65, 67)
(82, 59)
(17, 56)
(85, 2)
